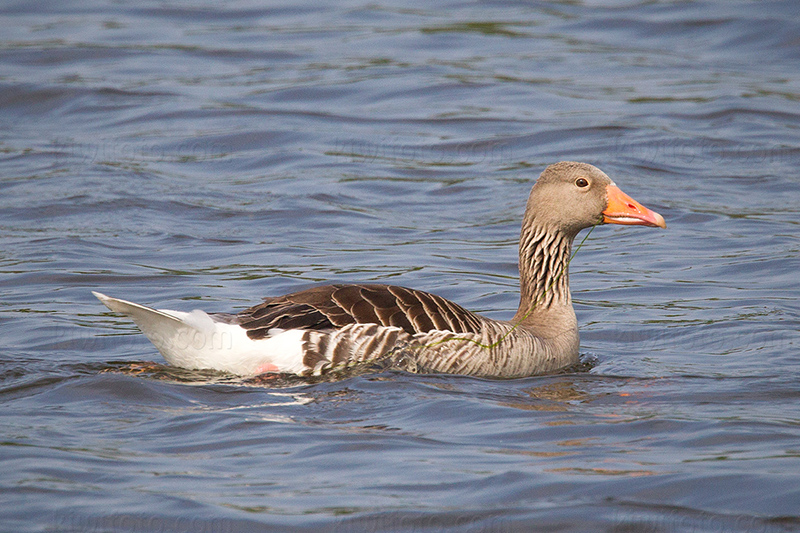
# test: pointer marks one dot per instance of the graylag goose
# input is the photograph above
(336, 327)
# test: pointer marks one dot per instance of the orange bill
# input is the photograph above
(622, 209)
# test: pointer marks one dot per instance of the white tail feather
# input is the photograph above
(195, 340)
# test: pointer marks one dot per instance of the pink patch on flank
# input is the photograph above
(267, 367)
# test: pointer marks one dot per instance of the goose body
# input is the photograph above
(337, 326)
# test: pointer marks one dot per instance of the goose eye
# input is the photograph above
(582, 182)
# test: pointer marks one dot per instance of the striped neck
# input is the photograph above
(543, 275)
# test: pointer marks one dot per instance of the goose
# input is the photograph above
(337, 327)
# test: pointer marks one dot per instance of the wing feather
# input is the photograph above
(331, 307)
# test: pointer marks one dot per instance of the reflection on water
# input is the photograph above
(549, 397)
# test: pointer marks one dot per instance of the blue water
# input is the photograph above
(204, 154)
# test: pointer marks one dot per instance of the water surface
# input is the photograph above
(203, 155)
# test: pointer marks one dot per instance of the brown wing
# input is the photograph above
(333, 306)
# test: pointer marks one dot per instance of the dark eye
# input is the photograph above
(582, 182)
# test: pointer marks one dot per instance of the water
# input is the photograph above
(202, 155)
